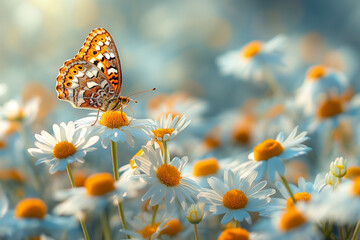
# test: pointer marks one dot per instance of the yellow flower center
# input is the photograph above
(168, 175)
(211, 142)
(18, 116)
(148, 230)
(64, 149)
(234, 234)
(352, 172)
(356, 186)
(12, 174)
(31, 208)
(2, 144)
(267, 149)
(132, 161)
(235, 199)
(205, 167)
(80, 178)
(172, 228)
(160, 133)
(300, 196)
(316, 72)
(99, 184)
(329, 108)
(251, 49)
(114, 119)
(291, 219)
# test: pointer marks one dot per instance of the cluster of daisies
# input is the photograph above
(248, 174)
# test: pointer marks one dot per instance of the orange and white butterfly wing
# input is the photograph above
(99, 48)
(83, 84)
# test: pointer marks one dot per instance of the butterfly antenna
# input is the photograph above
(142, 92)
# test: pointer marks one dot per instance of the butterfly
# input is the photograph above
(93, 78)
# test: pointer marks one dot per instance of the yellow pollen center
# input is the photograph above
(31, 208)
(316, 72)
(234, 234)
(330, 108)
(12, 174)
(251, 49)
(205, 167)
(80, 178)
(235, 199)
(291, 219)
(2, 144)
(99, 184)
(267, 149)
(356, 186)
(160, 133)
(172, 228)
(300, 196)
(149, 230)
(168, 175)
(64, 149)
(114, 119)
(132, 161)
(352, 172)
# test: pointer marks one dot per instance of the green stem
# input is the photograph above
(116, 177)
(288, 187)
(196, 232)
(83, 226)
(356, 230)
(114, 160)
(106, 227)
(165, 152)
(154, 214)
(341, 231)
(237, 224)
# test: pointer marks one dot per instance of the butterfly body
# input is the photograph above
(93, 78)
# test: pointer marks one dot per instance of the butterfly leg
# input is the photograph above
(132, 114)
(97, 117)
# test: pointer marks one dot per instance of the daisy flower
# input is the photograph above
(345, 199)
(100, 190)
(304, 191)
(115, 126)
(178, 104)
(236, 196)
(332, 110)
(26, 112)
(164, 179)
(319, 80)
(289, 224)
(144, 228)
(250, 62)
(168, 127)
(68, 145)
(30, 219)
(268, 156)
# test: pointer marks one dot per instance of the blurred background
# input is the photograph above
(171, 45)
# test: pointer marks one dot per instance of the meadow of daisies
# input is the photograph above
(266, 149)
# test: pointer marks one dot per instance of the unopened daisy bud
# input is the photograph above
(195, 213)
(338, 167)
(330, 179)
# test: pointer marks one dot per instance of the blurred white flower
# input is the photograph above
(268, 156)
(252, 61)
(26, 112)
(195, 213)
(68, 145)
(319, 80)
(100, 190)
(338, 167)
